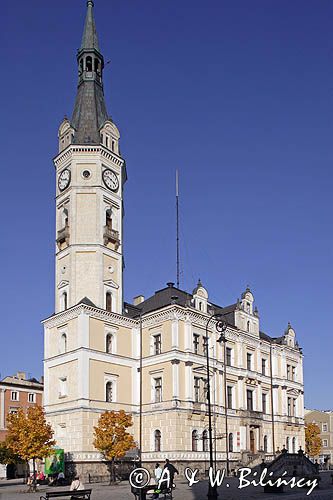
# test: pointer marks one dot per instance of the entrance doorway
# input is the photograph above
(252, 442)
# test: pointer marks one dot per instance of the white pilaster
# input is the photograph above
(175, 334)
(188, 381)
(175, 379)
(83, 330)
(188, 335)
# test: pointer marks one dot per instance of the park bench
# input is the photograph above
(141, 493)
(79, 494)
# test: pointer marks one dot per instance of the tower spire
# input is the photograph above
(89, 37)
(90, 112)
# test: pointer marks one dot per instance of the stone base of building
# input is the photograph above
(92, 471)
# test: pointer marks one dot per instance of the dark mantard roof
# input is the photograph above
(172, 295)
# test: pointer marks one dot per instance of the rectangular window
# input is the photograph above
(196, 343)
(249, 361)
(196, 389)
(157, 344)
(32, 398)
(14, 396)
(264, 403)
(291, 403)
(293, 373)
(325, 428)
(158, 390)
(204, 345)
(13, 411)
(294, 407)
(325, 443)
(249, 400)
(229, 397)
(288, 372)
(62, 387)
(263, 366)
(228, 353)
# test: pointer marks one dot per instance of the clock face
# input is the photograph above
(110, 179)
(64, 179)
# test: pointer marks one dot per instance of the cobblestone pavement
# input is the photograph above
(17, 491)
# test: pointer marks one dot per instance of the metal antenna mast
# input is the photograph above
(177, 226)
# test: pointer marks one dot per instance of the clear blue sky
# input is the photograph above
(235, 93)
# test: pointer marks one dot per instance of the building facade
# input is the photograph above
(95, 343)
(324, 420)
(17, 391)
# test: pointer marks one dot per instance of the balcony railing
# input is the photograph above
(111, 235)
(250, 414)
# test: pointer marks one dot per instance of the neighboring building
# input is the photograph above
(92, 342)
(324, 420)
(16, 392)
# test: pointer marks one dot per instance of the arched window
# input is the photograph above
(63, 343)
(293, 445)
(157, 440)
(287, 444)
(89, 64)
(64, 301)
(194, 440)
(248, 326)
(96, 65)
(231, 442)
(265, 444)
(109, 392)
(108, 346)
(108, 217)
(64, 218)
(205, 441)
(81, 66)
(108, 301)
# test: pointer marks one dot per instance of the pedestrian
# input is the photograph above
(157, 475)
(76, 484)
(172, 471)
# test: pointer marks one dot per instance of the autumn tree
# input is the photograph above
(6, 454)
(312, 440)
(111, 437)
(29, 435)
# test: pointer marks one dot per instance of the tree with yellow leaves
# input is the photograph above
(29, 435)
(312, 440)
(111, 437)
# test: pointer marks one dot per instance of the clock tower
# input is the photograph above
(90, 175)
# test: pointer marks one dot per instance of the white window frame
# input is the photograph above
(60, 349)
(114, 380)
(17, 398)
(63, 387)
(324, 427)
(113, 332)
(33, 394)
(325, 443)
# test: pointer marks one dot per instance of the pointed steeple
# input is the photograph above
(89, 38)
(90, 112)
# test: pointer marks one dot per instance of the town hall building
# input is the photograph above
(95, 343)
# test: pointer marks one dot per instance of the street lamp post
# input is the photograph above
(220, 327)
(224, 340)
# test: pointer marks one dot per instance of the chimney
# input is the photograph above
(138, 300)
(21, 375)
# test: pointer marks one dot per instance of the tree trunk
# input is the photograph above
(34, 483)
(113, 472)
